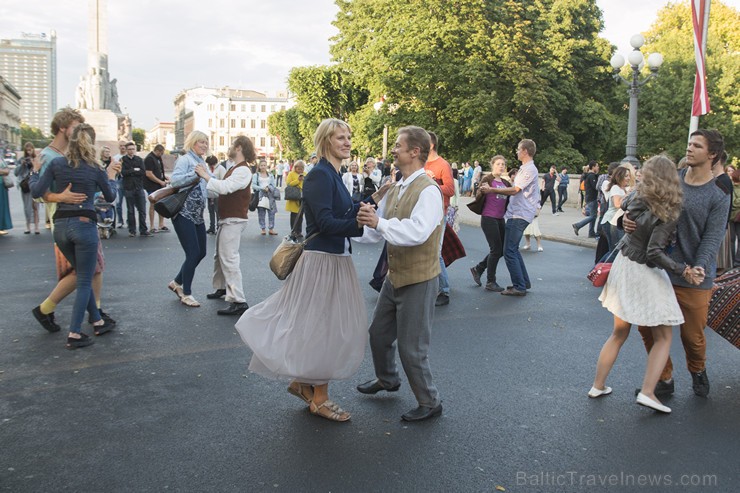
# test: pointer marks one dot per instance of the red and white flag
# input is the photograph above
(700, 104)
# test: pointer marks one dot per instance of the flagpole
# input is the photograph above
(694, 121)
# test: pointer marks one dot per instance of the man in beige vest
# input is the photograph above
(234, 192)
(410, 220)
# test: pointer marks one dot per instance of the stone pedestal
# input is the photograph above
(105, 123)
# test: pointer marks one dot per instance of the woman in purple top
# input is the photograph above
(492, 223)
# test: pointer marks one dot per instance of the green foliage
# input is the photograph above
(33, 135)
(483, 74)
(138, 135)
(665, 103)
(285, 125)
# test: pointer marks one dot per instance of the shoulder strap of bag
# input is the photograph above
(299, 220)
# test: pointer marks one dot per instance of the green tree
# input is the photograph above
(483, 74)
(139, 136)
(665, 103)
(33, 135)
(285, 126)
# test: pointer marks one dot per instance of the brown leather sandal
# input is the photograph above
(329, 410)
(303, 391)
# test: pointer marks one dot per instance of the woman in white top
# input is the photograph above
(263, 183)
(352, 179)
(615, 192)
(372, 175)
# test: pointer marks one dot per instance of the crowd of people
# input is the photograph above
(663, 227)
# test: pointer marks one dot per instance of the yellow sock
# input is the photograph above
(97, 303)
(47, 306)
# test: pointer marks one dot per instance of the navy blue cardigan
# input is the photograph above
(328, 208)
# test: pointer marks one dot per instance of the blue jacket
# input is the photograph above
(328, 208)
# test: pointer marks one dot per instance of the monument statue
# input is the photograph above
(96, 91)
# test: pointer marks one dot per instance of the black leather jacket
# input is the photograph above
(646, 245)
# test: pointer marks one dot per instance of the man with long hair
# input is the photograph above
(234, 193)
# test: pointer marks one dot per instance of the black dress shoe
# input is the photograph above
(219, 293)
(421, 413)
(374, 386)
(442, 299)
(46, 321)
(234, 309)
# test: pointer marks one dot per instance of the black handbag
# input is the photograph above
(254, 201)
(171, 205)
(293, 193)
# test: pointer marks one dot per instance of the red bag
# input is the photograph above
(599, 274)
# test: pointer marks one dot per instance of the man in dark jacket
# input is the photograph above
(154, 180)
(592, 203)
(133, 172)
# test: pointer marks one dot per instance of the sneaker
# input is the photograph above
(701, 383)
(575, 229)
(476, 275)
(83, 341)
(512, 291)
(442, 299)
(46, 321)
(106, 318)
(131, 235)
(492, 286)
(146, 233)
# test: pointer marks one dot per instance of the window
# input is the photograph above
(210, 122)
(282, 107)
(233, 107)
(253, 124)
(222, 107)
(221, 123)
(262, 142)
(233, 123)
(210, 107)
(254, 107)
(264, 108)
(252, 138)
(244, 123)
(221, 140)
(263, 124)
(272, 141)
(244, 107)
(273, 108)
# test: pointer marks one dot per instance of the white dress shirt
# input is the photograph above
(240, 179)
(415, 230)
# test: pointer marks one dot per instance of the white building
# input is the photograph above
(30, 64)
(10, 115)
(224, 114)
(161, 133)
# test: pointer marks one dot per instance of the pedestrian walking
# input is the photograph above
(23, 174)
(134, 173)
(563, 182)
(591, 197)
(263, 183)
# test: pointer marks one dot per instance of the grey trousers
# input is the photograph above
(404, 317)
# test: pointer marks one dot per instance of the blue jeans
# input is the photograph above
(562, 196)
(514, 261)
(136, 198)
(77, 239)
(119, 200)
(592, 213)
(261, 212)
(193, 241)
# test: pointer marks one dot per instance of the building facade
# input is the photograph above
(30, 65)
(224, 114)
(161, 133)
(10, 115)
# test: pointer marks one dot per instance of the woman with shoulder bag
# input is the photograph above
(295, 179)
(492, 223)
(314, 329)
(188, 223)
(638, 290)
(23, 173)
(263, 183)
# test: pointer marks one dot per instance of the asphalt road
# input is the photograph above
(166, 403)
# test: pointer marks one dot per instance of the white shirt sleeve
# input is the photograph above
(415, 230)
(239, 180)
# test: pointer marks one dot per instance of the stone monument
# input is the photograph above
(97, 95)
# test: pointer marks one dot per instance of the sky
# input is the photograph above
(158, 48)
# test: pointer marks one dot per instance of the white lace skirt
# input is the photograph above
(314, 329)
(640, 295)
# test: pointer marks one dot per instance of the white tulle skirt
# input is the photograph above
(314, 329)
(640, 295)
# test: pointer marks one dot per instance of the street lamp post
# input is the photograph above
(636, 62)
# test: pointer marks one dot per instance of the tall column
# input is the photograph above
(97, 35)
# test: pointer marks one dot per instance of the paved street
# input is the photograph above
(165, 402)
